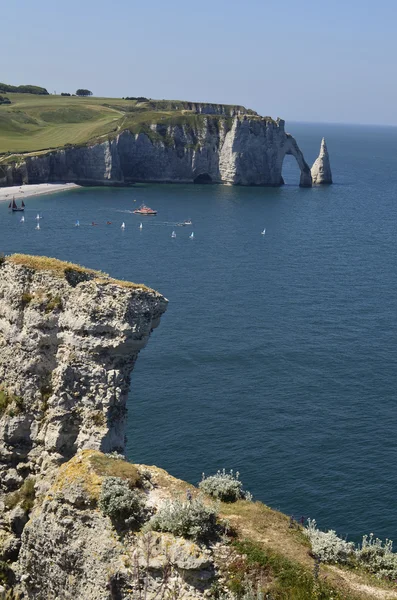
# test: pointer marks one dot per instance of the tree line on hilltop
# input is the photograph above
(23, 89)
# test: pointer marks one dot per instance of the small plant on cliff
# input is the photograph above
(190, 519)
(125, 507)
(54, 303)
(223, 486)
(327, 546)
(98, 418)
(378, 557)
(10, 403)
(24, 496)
(26, 299)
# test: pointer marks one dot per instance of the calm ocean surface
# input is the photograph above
(277, 355)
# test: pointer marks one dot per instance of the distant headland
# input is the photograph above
(111, 141)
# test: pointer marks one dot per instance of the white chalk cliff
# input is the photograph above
(237, 149)
(321, 169)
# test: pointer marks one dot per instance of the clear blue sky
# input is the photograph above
(304, 60)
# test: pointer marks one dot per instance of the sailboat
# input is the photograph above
(263, 232)
(173, 234)
(22, 219)
(123, 225)
(140, 226)
(77, 224)
(38, 226)
(191, 236)
(15, 208)
(38, 216)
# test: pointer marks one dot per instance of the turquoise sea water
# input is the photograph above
(277, 355)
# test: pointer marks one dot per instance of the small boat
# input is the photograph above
(173, 234)
(94, 224)
(38, 226)
(15, 208)
(140, 226)
(123, 225)
(263, 232)
(187, 222)
(22, 219)
(108, 222)
(145, 210)
(77, 224)
(191, 236)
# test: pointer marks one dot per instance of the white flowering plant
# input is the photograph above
(327, 546)
(190, 519)
(224, 486)
(378, 557)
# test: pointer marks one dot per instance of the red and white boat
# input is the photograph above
(145, 210)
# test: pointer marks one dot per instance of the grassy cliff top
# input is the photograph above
(62, 268)
(271, 551)
(33, 123)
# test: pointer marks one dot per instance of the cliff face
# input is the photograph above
(231, 149)
(69, 339)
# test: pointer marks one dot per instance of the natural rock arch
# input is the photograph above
(293, 149)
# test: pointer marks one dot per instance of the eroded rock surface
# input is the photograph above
(321, 169)
(68, 344)
(70, 550)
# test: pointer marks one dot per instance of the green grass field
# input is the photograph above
(33, 123)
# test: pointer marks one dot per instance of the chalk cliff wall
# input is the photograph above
(69, 339)
(231, 149)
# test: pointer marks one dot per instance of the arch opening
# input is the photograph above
(290, 170)
(203, 178)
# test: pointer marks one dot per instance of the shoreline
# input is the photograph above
(40, 189)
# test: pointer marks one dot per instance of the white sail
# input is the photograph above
(140, 226)
(263, 232)
(123, 225)
(191, 235)
(23, 220)
(173, 234)
(38, 216)
(38, 226)
(77, 224)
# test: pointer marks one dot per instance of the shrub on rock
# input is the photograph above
(327, 546)
(192, 519)
(118, 501)
(223, 486)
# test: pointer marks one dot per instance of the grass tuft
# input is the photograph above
(73, 273)
(106, 466)
(24, 496)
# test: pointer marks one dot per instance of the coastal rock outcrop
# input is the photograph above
(206, 147)
(69, 549)
(321, 169)
(69, 339)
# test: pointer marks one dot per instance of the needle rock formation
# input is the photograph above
(321, 169)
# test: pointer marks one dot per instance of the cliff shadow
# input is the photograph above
(203, 178)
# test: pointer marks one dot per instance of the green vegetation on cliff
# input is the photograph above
(32, 123)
